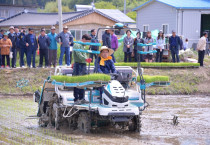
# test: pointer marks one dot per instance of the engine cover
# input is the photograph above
(114, 95)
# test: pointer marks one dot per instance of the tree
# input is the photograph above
(132, 15)
(53, 7)
(104, 5)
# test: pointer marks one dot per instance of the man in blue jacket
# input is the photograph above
(44, 43)
(66, 40)
(22, 45)
(175, 43)
(31, 44)
(105, 64)
(53, 47)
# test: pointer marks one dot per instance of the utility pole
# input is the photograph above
(124, 6)
(60, 19)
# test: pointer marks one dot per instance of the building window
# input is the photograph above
(84, 32)
(146, 28)
(78, 35)
(4, 13)
(165, 28)
(73, 33)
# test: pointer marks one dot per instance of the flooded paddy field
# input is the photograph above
(193, 126)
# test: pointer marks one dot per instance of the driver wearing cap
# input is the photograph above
(105, 64)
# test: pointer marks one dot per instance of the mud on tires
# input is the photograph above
(84, 122)
(135, 124)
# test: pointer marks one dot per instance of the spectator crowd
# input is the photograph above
(45, 45)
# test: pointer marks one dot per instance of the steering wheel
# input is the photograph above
(114, 76)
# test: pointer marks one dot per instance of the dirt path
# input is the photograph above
(157, 128)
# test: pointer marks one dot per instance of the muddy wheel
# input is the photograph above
(135, 124)
(84, 122)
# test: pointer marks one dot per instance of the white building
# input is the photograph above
(188, 18)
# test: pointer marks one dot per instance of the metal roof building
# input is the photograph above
(43, 19)
(188, 17)
(79, 22)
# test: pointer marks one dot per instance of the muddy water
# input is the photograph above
(157, 126)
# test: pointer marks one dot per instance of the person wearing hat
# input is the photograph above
(106, 37)
(31, 45)
(105, 64)
(79, 67)
(53, 47)
(44, 43)
(174, 42)
(22, 45)
(66, 40)
(160, 43)
(13, 38)
(5, 45)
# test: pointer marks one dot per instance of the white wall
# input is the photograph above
(190, 24)
(155, 15)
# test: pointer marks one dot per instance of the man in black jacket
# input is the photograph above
(44, 43)
(31, 44)
(13, 38)
(93, 40)
(106, 37)
(22, 45)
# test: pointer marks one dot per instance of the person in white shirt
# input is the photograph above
(201, 47)
(160, 43)
(186, 44)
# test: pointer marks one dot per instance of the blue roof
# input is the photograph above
(182, 4)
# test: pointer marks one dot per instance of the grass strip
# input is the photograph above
(150, 79)
(155, 64)
(80, 79)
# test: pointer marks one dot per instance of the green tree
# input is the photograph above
(51, 7)
(132, 15)
(104, 5)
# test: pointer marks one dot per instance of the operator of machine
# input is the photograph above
(105, 64)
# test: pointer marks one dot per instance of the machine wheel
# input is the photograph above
(84, 122)
(135, 124)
